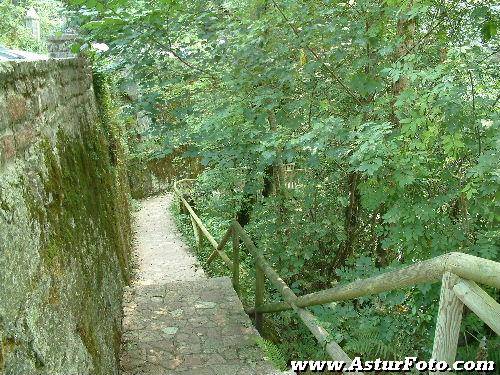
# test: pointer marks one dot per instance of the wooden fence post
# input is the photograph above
(236, 262)
(448, 321)
(259, 296)
(198, 235)
(182, 209)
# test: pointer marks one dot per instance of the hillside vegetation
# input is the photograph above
(346, 136)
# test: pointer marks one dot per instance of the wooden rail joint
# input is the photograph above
(459, 273)
(480, 302)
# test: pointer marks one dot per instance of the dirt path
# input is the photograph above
(177, 321)
(161, 254)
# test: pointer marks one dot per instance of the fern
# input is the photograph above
(367, 343)
(273, 353)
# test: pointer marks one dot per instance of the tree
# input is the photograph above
(387, 110)
(13, 31)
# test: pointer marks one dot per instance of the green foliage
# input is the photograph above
(13, 31)
(349, 136)
(367, 341)
(273, 353)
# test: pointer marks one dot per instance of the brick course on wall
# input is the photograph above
(35, 97)
(64, 223)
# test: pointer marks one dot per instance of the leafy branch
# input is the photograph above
(319, 58)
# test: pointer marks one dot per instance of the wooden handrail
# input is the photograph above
(218, 250)
(480, 302)
(205, 231)
(481, 270)
(323, 337)
(459, 273)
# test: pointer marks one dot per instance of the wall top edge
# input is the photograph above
(12, 70)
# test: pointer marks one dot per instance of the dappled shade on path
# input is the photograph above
(176, 321)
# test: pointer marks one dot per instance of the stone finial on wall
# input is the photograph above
(32, 20)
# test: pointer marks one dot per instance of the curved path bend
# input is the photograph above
(176, 320)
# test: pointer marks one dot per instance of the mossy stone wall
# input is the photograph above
(64, 222)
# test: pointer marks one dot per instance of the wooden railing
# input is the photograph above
(458, 272)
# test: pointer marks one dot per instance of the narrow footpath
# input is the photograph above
(176, 320)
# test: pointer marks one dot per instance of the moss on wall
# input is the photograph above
(64, 226)
(150, 177)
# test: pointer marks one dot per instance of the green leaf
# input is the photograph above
(489, 30)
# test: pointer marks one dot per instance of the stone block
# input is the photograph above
(7, 147)
(63, 262)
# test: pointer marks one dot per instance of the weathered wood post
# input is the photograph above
(448, 321)
(259, 296)
(198, 235)
(236, 261)
(182, 209)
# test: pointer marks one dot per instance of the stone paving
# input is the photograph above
(190, 325)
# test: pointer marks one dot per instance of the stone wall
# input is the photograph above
(64, 222)
(151, 177)
(59, 46)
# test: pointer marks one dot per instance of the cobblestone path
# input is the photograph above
(177, 321)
